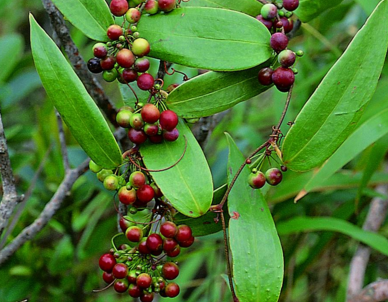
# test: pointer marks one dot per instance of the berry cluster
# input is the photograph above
(272, 176)
(123, 58)
(147, 122)
(278, 23)
(137, 270)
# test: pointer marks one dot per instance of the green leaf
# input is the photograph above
(188, 185)
(368, 5)
(11, 51)
(332, 112)
(308, 224)
(254, 243)
(368, 133)
(309, 9)
(209, 38)
(92, 17)
(205, 224)
(72, 101)
(214, 92)
(250, 7)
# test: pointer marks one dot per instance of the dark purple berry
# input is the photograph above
(287, 24)
(279, 42)
(142, 64)
(137, 136)
(286, 58)
(171, 136)
(94, 65)
(283, 78)
(290, 5)
(265, 76)
(129, 75)
(267, 23)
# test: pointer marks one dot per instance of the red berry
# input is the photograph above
(118, 7)
(154, 242)
(100, 50)
(137, 179)
(108, 277)
(150, 113)
(183, 233)
(143, 280)
(279, 42)
(265, 76)
(134, 234)
(107, 262)
(287, 24)
(286, 58)
(256, 180)
(267, 23)
(120, 270)
(187, 243)
(143, 249)
(158, 192)
(114, 32)
(273, 176)
(269, 11)
(170, 270)
(129, 75)
(133, 15)
(283, 78)
(131, 277)
(151, 7)
(125, 223)
(134, 291)
(168, 120)
(168, 229)
(108, 63)
(172, 135)
(137, 136)
(147, 297)
(151, 129)
(175, 252)
(166, 5)
(126, 196)
(169, 244)
(145, 81)
(125, 58)
(142, 64)
(172, 290)
(145, 193)
(121, 286)
(290, 5)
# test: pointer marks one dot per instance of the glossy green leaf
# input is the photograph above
(206, 38)
(368, 133)
(309, 9)
(308, 224)
(92, 17)
(250, 7)
(11, 51)
(214, 92)
(253, 239)
(72, 101)
(204, 225)
(332, 112)
(188, 185)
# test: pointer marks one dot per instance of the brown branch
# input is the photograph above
(48, 212)
(375, 218)
(163, 68)
(91, 84)
(10, 196)
(374, 292)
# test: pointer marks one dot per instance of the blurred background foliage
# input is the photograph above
(61, 263)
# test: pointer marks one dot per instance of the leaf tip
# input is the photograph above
(300, 195)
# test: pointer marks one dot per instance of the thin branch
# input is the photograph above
(48, 212)
(375, 218)
(91, 84)
(62, 140)
(163, 68)
(10, 196)
(374, 292)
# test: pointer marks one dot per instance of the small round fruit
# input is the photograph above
(142, 248)
(133, 15)
(134, 234)
(154, 242)
(172, 290)
(129, 75)
(123, 117)
(103, 174)
(108, 63)
(114, 32)
(269, 11)
(144, 280)
(137, 137)
(147, 297)
(169, 244)
(286, 58)
(167, 5)
(256, 180)
(170, 270)
(94, 167)
(121, 286)
(288, 25)
(126, 196)
(145, 81)
(142, 64)
(290, 5)
(110, 75)
(168, 229)
(283, 168)
(151, 7)
(125, 58)
(107, 262)
(183, 233)
(273, 176)
(131, 277)
(125, 223)
(265, 76)
(118, 7)
(151, 129)
(140, 47)
(145, 194)
(136, 121)
(137, 179)
(172, 135)
(283, 78)
(175, 252)
(111, 182)
(108, 277)
(150, 113)
(134, 291)
(168, 120)
(120, 270)
(187, 243)
(158, 192)
(268, 24)
(279, 42)
(94, 65)
(100, 50)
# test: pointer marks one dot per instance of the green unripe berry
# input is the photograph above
(151, 7)
(122, 39)
(281, 13)
(289, 14)
(140, 105)
(136, 121)
(94, 167)
(294, 70)
(157, 86)
(133, 28)
(140, 47)
(110, 75)
(133, 15)
(123, 118)
(300, 53)
(103, 174)
(136, 35)
(111, 182)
